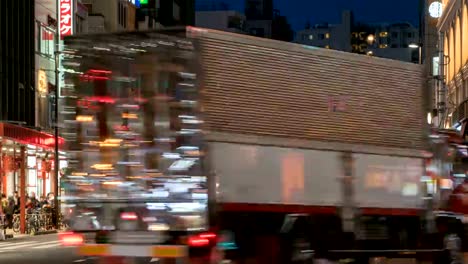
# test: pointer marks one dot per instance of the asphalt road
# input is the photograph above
(44, 249)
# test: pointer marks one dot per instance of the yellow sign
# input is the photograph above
(42, 85)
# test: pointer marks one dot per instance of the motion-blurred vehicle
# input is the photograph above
(178, 134)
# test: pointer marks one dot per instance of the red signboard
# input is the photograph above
(66, 17)
(29, 136)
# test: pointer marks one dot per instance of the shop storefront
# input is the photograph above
(27, 153)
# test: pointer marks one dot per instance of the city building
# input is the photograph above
(330, 36)
(397, 41)
(430, 53)
(259, 15)
(225, 20)
(110, 16)
(445, 30)
(169, 13)
(26, 80)
(392, 41)
(453, 29)
(260, 19)
(17, 83)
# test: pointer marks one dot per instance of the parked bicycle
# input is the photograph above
(37, 221)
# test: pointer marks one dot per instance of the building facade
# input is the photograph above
(384, 40)
(330, 36)
(110, 16)
(26, 79)
(225, 20)
(453, 29)
(17, 80)
(259, 15)
(397, 41)
(169, 13)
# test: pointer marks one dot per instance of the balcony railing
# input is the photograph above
(460, 113)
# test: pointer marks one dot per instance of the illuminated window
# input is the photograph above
(383, 34)
(383, 46)
(327, 35)
(311, 37)
(327, 46)
(45, 43)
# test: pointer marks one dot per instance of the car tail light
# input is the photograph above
(130, 216)
(201, 240)
(71, 239)
(210, 236)
(197, 241)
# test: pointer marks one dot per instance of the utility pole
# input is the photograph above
(56, 131)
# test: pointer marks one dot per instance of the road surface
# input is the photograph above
(45, 249)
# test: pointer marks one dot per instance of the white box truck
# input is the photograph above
(244, 131)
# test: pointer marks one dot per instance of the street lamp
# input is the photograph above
(419, 47)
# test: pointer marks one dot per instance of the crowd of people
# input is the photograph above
(11, 205)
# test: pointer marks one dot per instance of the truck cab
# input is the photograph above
(138, 184)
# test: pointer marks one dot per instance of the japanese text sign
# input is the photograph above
(66, 17)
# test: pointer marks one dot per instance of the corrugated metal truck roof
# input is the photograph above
(258, 86)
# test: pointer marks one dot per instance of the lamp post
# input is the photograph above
(419, 47)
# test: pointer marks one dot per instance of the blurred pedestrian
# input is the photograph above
(4, 202)
(17, 202)
(10, 211)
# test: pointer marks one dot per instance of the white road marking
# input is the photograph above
(154, 260)
(9, 246)
(49, 245)
(20, 245)
(2, 244)
(79, 260)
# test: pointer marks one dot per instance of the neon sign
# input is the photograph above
(66, 18)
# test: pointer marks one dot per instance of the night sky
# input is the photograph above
(317, 11)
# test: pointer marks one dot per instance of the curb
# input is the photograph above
(10, 236)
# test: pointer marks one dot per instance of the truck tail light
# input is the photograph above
(129, 216)
(201, 240)
(70, 239)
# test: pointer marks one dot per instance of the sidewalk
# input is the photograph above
(11, 234)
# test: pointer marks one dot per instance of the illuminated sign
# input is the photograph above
(143, 2)
(137, 2)
(66, 18)
(42, 85)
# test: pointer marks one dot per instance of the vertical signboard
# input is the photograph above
(66, 17)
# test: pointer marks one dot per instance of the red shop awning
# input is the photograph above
(25, 135)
